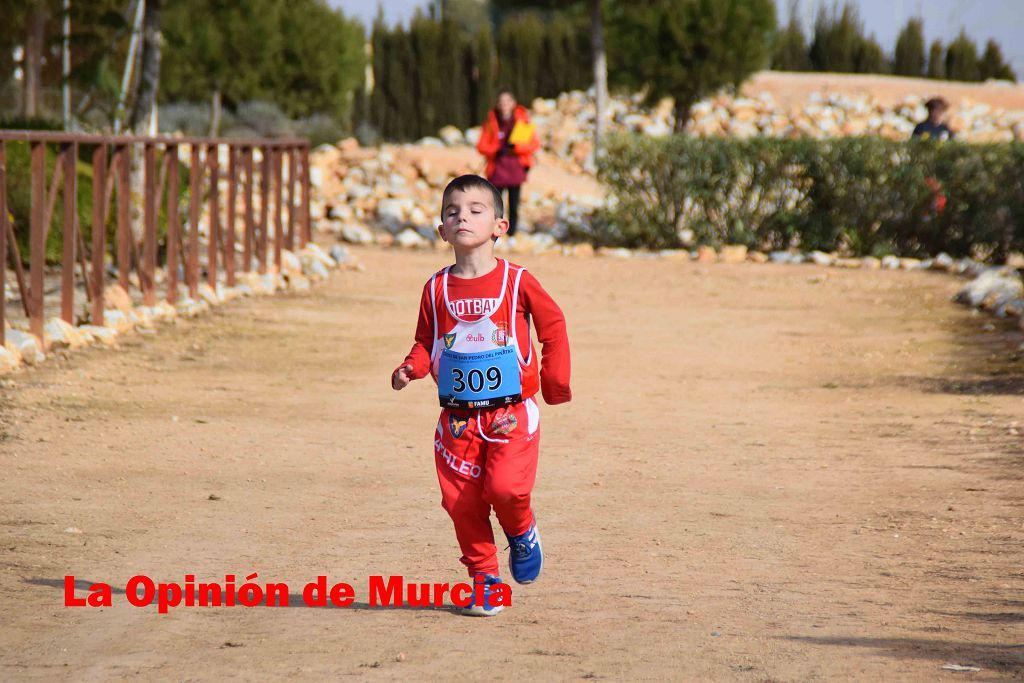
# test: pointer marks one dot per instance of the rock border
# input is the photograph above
(299, 270)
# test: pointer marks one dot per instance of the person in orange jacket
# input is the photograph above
(508, 141)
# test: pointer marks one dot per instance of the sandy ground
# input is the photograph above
(769, 473)
(791, 89)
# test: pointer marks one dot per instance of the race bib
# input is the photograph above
(485, 379)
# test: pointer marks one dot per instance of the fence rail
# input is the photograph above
(283, 165)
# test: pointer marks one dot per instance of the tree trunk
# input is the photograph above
(681, 112)
(600, 71)
(143, 113)
(215, 113)
(33, 59)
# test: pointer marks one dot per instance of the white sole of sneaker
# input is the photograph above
(481, 612)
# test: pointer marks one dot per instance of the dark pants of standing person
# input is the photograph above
(512, 207)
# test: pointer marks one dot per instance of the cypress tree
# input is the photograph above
(869, 57)
(992, 64)
(962, 59)
(936, 60)
(908, 57)
(836, 41)
(483, 83)
(790, 53)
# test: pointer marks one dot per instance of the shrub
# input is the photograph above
(856, 195)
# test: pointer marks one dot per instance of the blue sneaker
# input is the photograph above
(525, 557)
(488, 609)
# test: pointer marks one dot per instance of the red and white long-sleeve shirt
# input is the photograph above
(471, 299)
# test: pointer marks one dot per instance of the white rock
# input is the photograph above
(356, 233)
(451, 136)
(1001, 282)
(104, 335)
(28, 345)
(410, 239)
(290, 263)
(890, 262)
(821, 258)
(9, 360)
(62, 334)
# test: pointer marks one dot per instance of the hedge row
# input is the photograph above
(860, 196)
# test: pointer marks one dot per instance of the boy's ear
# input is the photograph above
(500, 228)
(440, 232)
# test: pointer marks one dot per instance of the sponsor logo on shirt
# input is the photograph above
(500, 335)
(479, 337)
(461, 307)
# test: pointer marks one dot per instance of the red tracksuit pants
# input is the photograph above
(487, 459)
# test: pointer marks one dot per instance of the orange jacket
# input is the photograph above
(490, 143)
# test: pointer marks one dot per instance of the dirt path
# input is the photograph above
(768, 473)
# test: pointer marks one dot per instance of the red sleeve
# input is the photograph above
(550, 324)
(419, 355)
(488, 144)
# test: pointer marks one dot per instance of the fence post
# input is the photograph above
(275, 177)
(69, 237)
(264, 211)
(3, 241)
(99, 236)
(194, 189)
(147, 269)
(247, 238)
(213, 226)
(307, 235)
(122, 162)
(37, 240)
(229, 229)
(292, 168)
(173, 223)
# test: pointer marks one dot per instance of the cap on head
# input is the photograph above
(465, 182)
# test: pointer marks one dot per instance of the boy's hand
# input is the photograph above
(401, 377)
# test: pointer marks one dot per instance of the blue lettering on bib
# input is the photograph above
(484, 379)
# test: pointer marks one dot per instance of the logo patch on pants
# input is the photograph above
(457, 425)
(504, 423)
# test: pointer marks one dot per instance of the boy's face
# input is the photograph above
(468, 219)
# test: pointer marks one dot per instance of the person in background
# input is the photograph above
(933, 128)
(508, 141)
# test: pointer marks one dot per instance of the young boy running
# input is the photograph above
(473, 338)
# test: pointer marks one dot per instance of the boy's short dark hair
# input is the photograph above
(465, 182)
(936, 103)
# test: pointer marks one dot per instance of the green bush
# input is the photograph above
(19, 199)
(856, 195)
